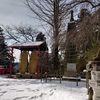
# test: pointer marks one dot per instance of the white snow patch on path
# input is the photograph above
(33, 89)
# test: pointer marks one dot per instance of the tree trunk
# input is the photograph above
(56, 33)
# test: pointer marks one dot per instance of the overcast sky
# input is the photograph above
(15, 12)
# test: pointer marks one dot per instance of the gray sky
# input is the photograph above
(15, 12)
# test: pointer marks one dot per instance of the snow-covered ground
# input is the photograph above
(34, 89)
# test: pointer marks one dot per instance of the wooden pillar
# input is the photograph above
(11, 58)
(76, 79)
(60, 74)
(46, 76)
(38, 66)
(45, 61)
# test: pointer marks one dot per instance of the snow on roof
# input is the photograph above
(26, 44)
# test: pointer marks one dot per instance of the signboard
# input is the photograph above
(71, 67)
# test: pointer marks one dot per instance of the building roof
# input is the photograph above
(29, 45)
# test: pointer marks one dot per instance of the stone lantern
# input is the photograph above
(94, 81)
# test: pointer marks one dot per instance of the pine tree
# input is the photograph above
(4, 53)
(40, 37)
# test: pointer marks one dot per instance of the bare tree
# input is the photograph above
(20, 33)
(86, 35)
(55, 13)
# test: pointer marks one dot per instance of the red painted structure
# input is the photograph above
(4, 70)
(29, 46)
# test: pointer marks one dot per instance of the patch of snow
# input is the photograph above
(65, 77)
(34, 89)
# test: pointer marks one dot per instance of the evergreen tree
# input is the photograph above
(40, 37)
(4, 53)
